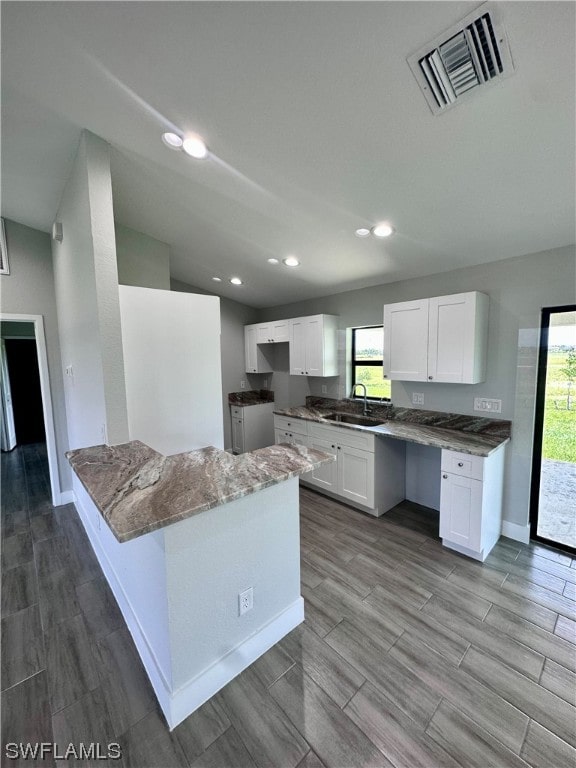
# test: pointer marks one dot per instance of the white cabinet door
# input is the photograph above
(406, 341)
(250, 348)
(458, 331)
(263, 333)
(325, 476)
(461, 511)
(280, 331)
(356, 475)
(449, 333)
(298, 331)
(314, 365)
(237, 435)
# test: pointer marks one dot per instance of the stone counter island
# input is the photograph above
(179, 539)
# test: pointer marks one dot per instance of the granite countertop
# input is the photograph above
(456, 432)
(138, 490)
(248, 397)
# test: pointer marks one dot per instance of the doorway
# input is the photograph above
(36, 325)
(552, 517)
(24, 382)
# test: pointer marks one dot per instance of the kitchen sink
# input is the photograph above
(352, 418)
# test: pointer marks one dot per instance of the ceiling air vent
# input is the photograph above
(472, 53)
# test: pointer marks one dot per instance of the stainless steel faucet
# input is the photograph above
(359, 384)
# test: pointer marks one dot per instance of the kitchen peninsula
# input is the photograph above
(202, 552)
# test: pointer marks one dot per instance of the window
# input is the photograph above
(367, 353)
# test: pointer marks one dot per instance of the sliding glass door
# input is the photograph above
(553, 493)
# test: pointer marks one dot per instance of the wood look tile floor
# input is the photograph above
(410, 655)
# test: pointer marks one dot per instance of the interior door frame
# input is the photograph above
(40, 337)
(539, 424)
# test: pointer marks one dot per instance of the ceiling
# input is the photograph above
(316, 126)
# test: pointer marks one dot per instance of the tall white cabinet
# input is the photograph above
(442, 339)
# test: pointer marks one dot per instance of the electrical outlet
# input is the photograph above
(103, 433)
(418, 398)
(265, 383)
(242, 384)
(487, 404)
(324, 389)
(245, 601)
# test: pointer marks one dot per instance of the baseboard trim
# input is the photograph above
(66, 497)
(196, 692)
(517, 532)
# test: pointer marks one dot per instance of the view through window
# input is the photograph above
(367, 352)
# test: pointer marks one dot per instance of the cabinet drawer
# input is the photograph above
(342, 436)
(287, 424)
(237, 413)
(463, 464)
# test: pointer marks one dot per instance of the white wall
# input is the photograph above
(251, 542)
(86, 284)
(29, 290)
(142, 260)
(518, 288)
(233, 317)
(171, 347)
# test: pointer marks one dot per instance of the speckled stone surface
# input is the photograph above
(451, 431)
(251, 397)
(137, 490)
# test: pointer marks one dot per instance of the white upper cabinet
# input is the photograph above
(313, 348)
(273, 333)
(406, 340)
(312, 345)
(440, 339)
(256, 361)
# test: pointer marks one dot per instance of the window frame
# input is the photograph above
(354, 363)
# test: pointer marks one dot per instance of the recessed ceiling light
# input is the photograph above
(273, 261)
(217, 279)
(195, 147)
(382, 230)
(291, 261)
(172, 140)
(236, 281)
(362, 232)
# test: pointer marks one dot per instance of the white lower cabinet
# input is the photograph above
(252, 427)
(368, 472)
(325, 476)
(356, 475)
(293, 431)
(471, 502)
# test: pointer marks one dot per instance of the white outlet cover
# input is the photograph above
(245, 601)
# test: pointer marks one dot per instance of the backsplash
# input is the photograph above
(477, 424)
